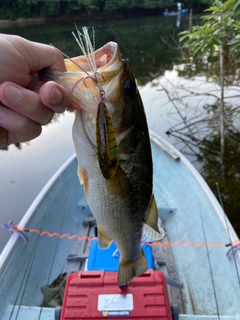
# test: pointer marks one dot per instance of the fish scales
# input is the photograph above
(121, 200)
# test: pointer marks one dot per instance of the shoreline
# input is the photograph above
(83, 16)
(86, 16)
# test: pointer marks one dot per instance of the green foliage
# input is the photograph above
(154, 4)
(27, 8)
(131, 4)
(33, 8)
(220, 28)
(195, 3)
(71, 6)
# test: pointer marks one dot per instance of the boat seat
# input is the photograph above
(80, 250)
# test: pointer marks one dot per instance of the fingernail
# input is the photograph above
(13, 94)
(56, 96)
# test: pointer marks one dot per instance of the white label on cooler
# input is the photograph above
(115, 302)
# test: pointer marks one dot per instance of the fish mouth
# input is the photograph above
(106, 59)
(80, 79)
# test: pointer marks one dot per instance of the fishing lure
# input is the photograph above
(106, 141)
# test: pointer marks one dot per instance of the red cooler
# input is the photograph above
(96, 295)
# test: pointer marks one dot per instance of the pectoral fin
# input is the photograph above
(119, 185)
(104, 241)
(152, 215)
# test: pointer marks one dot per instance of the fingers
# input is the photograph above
(54, 96)
(44, 56)
(47, 57)
(24, 111)
(37, 55)
(25, 102)
(15, 127)
(20, 58)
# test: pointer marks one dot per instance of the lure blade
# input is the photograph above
(106, 142)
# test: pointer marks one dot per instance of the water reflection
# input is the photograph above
(147, 43)
(178, 22)
(198, 136)
(227, 175)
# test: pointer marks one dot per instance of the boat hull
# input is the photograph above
(191, 216)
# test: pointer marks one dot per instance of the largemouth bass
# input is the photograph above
(112, 144)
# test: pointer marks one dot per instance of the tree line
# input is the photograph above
(42, 8)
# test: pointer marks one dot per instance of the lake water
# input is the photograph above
(174, 97)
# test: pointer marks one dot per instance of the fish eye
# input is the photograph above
(130, 87)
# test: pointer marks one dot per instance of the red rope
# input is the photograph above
(161, 244)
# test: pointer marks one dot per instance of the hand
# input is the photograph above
(26, 103)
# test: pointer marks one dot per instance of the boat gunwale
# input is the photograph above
(14, 239)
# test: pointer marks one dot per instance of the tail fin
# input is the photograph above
(127, 271)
